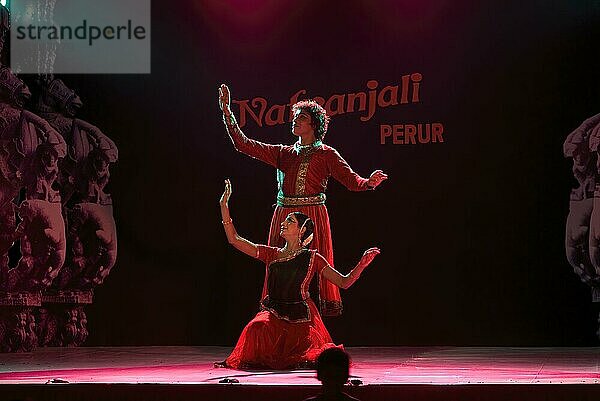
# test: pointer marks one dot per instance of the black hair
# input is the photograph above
(306, 222)
(333, 366)
(318, 115)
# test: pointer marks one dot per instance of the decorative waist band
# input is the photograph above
(290, 201)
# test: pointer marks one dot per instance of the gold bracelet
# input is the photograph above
(229, 118)
(227, 222)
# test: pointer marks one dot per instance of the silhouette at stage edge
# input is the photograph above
(333, 370)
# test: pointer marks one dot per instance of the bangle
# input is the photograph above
(229, 118)
(227, 222)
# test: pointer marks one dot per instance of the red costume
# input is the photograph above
(302, 174)
(288, 332)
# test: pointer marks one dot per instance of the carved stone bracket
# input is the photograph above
(62, 318)
(18, 329)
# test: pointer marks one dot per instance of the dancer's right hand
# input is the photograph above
(226, 193)
(224, 99)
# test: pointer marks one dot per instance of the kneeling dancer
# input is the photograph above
(288, 332)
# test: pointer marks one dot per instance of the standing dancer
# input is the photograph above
(288, 331)
(302, 173)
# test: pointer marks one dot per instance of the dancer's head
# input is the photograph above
(333, 367)
(309, 117)
(297, 227)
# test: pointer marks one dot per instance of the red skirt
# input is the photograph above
(268, 342)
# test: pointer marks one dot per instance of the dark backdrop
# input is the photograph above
(471, 230)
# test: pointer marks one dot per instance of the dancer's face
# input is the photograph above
(302, 124)
(290, 228)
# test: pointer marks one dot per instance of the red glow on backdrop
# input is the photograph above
(245, 19)
(406, 15)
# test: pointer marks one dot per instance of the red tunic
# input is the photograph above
(274, 340)
(303, 171)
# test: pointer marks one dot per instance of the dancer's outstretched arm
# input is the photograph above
(343, 173)
(234, 239)
(259, 150)
(345, 281)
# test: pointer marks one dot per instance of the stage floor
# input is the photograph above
(372, 365)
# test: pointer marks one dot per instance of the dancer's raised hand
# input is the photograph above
(226, 193)
(224, 99)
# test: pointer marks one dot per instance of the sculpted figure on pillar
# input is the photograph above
(592, 128)
(30, 153)
(84, 174)
(582, 237)
(30, 150)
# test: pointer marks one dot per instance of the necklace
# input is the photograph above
(289, 255)
(298, 147)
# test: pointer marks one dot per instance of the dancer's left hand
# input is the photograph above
(368, 256)
(376, 178)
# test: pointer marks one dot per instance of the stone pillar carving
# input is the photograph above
(54, 211)
(582, 237)
(91, 233)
